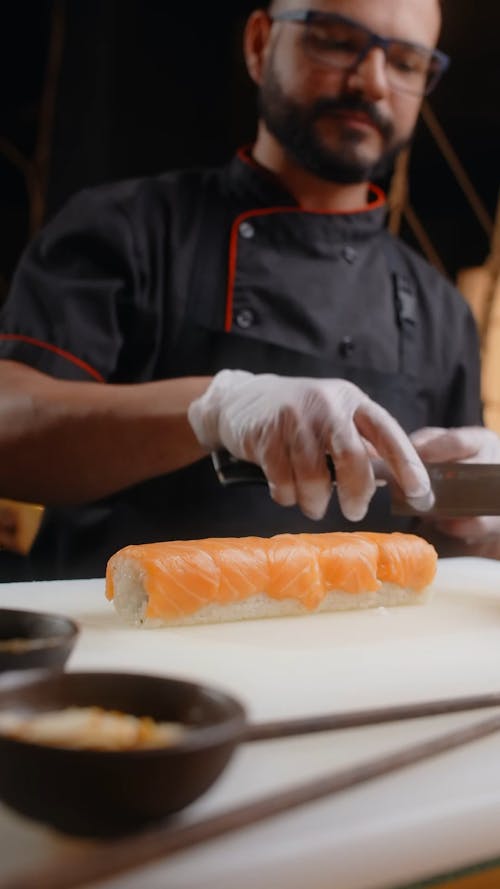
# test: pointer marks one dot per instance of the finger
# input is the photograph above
(353, 473)
(274, 460)
(394, 446)
(312, 478)
(266, 446)
(370, 450)
(422, 437)
(471, 530)
(449, 444)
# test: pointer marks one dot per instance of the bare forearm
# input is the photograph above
(63, 442)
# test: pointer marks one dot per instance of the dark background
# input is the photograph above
(142, 86)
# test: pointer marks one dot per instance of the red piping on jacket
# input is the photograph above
(244, 154)
(57, 351)
(266, 211)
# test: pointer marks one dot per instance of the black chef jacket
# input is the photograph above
(195, 271)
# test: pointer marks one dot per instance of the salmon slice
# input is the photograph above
(404, 559)
(294, 572)
(178, 577)
(242, 563)
(346, 563)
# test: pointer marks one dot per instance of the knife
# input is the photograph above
(460, 489)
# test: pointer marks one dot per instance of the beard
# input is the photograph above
(294, 126)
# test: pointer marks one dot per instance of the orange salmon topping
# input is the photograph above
(404, 559)
(346, 564)
(294, 571)
(181, 577)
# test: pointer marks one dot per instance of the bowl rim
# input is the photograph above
(70, 630)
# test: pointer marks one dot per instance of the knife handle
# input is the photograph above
(232, 471)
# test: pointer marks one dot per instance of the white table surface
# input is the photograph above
(431, 818)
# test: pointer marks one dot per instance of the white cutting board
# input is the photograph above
(431, 818)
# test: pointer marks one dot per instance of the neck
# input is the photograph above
(310, 192)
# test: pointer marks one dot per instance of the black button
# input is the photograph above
(245, 318)
(349, 253)
(346, 346)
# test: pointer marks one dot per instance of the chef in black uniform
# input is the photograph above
(262, 307)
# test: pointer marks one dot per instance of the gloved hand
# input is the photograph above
(288, 424)
(472, 444)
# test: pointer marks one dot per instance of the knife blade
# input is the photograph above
(460, 489)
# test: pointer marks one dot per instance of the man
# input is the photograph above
(276, 275)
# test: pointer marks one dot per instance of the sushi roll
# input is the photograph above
(236, 578)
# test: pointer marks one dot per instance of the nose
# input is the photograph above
(369, 76)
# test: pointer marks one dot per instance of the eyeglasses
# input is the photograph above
(338, 42)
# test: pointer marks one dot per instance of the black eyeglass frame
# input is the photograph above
(310, 16)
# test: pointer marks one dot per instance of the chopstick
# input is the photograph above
(117, 856)
(283, 728)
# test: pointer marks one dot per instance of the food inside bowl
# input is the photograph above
(20, 644)
(32, 640)
(91, 728)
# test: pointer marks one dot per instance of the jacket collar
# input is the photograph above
(252, 182)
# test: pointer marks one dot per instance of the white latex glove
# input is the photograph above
(287, 425)
(468, 444)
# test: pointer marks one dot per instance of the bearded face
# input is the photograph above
(343, 138)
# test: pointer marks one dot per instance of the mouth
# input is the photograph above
(356, 120)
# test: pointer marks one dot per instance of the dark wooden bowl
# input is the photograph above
(104, 793)
(31, 640)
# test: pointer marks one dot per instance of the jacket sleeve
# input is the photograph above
(74, 298)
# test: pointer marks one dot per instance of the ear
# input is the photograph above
(255, 42)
